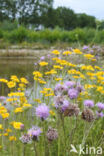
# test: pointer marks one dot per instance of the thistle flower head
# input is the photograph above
(88, 115)
(65, 105)
(100, 114)
(70, 84)
(2, 98)
(42, 58)
(25, 138)
(73, 109)
(89, 103)
(79, 87)
(52, 134)
(42, 111)
(34, 132)
(60, 89)
(73, 93)
(61, 103)
(100, 105)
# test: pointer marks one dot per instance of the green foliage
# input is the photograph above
(41, 12)
(86, 21)
(18, 35)
(9, 26)
(48, 36)
(1, 34)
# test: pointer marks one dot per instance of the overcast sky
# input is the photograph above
(91, 7)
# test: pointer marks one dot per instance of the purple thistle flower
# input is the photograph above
(85, 47)
(100, 105)
(25, 138)
(48, 55)
(42, 58)
(60, 89)
(100, 114)
(2, 98)
(89, 103)
(70, 84)
(61, 103)
(42, 111)
(35, 132)
(65, 105)
(79, 87)
(73, 93)
(58, 101)
(35, 64)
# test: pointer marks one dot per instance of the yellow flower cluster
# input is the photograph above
(47, 92)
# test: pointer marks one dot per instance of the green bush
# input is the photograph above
(100, 37)
(47, 36)
(9, 26)
(18, 35)
(90, 34)
(1, 34)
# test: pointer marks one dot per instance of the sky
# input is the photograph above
(90, 7)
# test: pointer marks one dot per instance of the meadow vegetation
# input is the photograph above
(50, 37)
(63, 106)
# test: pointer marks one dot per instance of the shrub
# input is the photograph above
(18, 35)
(1, 34)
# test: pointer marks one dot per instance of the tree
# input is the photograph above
(63, 17)
(24, 10)
(67, 18)
(86, 21)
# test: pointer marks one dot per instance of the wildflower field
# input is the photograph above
(64, 107)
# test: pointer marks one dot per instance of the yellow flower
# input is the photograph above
(27, 105)
(12, 138)
(18, 110)
(5, 134)
(58, 79)
(41, 81)
(89, 67)
(14, 78)
(51, 72)
(3, 110)
(24, 80)
(11, 84)
(8, 130)
(71, 65)
(4, 80)
(16, 94)
(1, 127)
(57, 67)
(22, 85)
(67, 52)
(5, 115)
(37, 74)
(89, 56)
(97, 67)
(55, 52)
(37, 100)
(17, 125)
(52, 113)
(77, 51)
(43, 63)
(11, 99)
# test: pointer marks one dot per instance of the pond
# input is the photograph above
(22, 67)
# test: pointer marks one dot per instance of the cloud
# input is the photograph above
(91, 7)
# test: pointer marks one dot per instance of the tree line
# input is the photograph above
(42, 12)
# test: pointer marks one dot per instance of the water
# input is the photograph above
(22, 67)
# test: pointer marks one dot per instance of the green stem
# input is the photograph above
(24, 149)
(35, 149)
